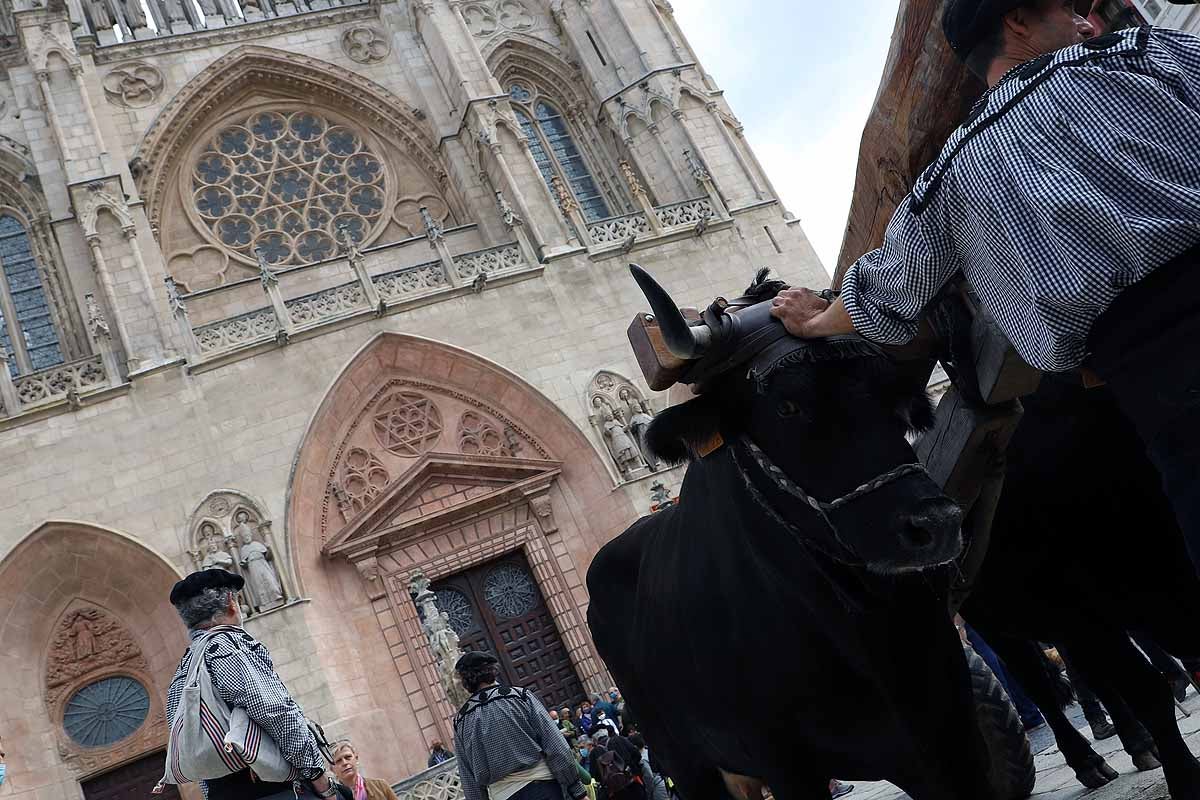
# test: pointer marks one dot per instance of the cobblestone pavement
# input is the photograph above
(1056, 781)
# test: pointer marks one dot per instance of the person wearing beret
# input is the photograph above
(243, 676)
(1069, 198)
(508, 747)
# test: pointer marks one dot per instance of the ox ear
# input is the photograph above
(918, 411)
(678, 432)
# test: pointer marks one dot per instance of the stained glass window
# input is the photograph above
(283, 183)
(29, 324)
(107, 711)
(555, 152)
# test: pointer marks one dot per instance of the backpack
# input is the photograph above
(614, 775)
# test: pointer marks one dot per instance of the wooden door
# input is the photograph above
(134, 781)
(498, 607)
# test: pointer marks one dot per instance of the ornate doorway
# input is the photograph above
(130, 782)
(498, 607)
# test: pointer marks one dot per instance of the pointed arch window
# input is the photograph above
(555, 151)
(27, 331)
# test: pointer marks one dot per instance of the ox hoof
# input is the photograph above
(1144, 762)
(1106, 770)
(1093, 777)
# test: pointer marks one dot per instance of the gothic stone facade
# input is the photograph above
(328, 291)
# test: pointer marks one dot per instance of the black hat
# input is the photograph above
(966, 23)
(473, 659)
(197, 582)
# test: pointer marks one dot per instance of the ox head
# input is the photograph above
(827, 421)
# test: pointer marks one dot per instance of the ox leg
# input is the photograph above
(1111, 663)
(1024, 661)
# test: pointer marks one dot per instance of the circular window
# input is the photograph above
(107, 711)
(510, 591)
(458, 608)
(284, 184)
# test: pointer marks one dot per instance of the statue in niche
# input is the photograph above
(638, 412)
(257, 560)
(214, 556)
(101, 18)
(85, 639)
(621, 445)
(135, 16)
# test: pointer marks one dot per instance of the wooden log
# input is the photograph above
(925, 92)
(964, 444)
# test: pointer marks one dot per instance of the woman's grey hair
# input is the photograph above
(195, 611)
(340, 745)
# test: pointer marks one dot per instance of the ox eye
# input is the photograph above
(790, 408)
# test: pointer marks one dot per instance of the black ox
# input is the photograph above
(775, 623)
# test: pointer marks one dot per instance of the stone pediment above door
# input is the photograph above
(439, 490)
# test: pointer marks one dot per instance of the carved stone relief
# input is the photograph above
(497, 16)
(134, 85)
(621, 415)
(86, 640)
(229, 531)
(404, 419)
(365, 45)
(478, 435)
(407, 423)
(363, 478)
(98, 686)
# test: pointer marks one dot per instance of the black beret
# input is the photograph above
(966, 23)
(197, 582)
(473, 659)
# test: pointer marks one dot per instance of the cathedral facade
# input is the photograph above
(333, 293)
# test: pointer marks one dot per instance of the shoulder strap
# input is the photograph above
(197, 647)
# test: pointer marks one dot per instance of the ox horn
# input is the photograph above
(682, 340)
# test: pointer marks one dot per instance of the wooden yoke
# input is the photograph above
(924, 94)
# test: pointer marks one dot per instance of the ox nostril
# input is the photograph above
(916, 533)
(931, 525)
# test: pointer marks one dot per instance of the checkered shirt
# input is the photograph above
(501, 730)
(243, 675)
(1075, 177)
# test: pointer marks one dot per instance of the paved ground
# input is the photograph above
(1056, 781)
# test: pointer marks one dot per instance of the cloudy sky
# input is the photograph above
(801, 75)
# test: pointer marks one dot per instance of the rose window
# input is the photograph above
(107, 711)
(510, 591)
(283, 184)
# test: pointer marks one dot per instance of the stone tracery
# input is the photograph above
(284, 181)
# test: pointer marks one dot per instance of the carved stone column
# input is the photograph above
(719, 121)
(86, 100)
(514, 189)
(110, 297)
(516, 225)
(570, 209)
(640, 197)
(704, 181)
(443, 641)
(130, 233)
(102, 339)
(179, 313)
(358, 263)
(51, 111)
(270, 284)
(8, 390)
(437, 242)
(656, 132)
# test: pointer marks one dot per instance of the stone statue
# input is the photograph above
(621, 445)
(101, 18)
(85, 639)
(257, 559)
(418, 584)
(214, 556)
(135, 16)
(640, 418)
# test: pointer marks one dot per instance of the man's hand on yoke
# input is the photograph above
(808, 315)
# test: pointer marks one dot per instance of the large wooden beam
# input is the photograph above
(925, 92)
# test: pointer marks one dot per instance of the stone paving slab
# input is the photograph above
(1056, 781)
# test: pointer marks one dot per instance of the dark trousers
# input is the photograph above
(1031, 715)
(1147, 348)
(540, 790)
